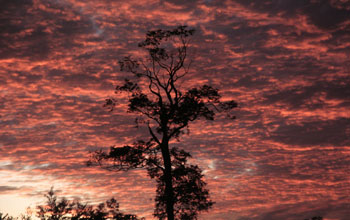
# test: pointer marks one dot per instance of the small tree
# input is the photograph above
(166, 109)
(63, 209)
(54, 209)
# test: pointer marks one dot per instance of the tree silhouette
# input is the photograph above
(54, 209)
(156, 93)
(63, 209)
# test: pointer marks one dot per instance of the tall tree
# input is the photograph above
(156, 92)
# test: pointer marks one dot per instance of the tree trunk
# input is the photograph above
(169, 191)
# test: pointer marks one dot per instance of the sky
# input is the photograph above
(285, 62)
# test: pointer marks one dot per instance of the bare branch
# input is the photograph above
(153, 135)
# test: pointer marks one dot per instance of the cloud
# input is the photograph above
(321, 133)
(317, 11)
(319, 94)
(7, 189)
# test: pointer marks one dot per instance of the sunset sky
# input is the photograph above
(285, 62)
